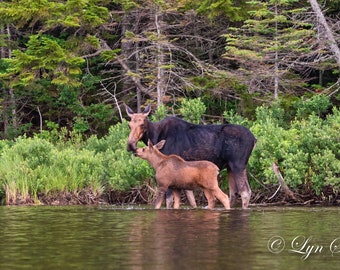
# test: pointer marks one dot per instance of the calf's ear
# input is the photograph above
(150, 143)
(160, 144)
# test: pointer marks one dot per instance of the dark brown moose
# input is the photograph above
(174, 172)
(228, 146)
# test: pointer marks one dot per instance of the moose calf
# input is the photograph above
(174, 172)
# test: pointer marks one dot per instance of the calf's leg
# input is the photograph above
(210, 197)
(222, 197)
(191, 198)
(159, 198)
(188, 193)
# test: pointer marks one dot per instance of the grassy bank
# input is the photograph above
(56, 162)
(58, 166)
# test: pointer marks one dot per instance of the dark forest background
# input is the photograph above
(74, 63)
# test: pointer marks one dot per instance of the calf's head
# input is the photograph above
(148, 151)
(137, 125)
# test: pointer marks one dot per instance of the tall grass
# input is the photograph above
(46, 165)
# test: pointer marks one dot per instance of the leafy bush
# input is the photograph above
(192, 110)
(307, 152)
(159, 114)
(317, 104)
(122, 169)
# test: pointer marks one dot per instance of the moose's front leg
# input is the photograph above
(177, 198)
(169, 198)
(232, 189)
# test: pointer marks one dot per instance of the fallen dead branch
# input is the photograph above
(283, 185)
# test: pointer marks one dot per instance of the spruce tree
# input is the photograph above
(271, 47)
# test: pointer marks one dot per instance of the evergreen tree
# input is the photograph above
(43, 74)
(272, 47)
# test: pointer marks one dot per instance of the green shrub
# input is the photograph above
(159, 114)
(307, 151)
(72, 170)
(192, 110)
(122, 169)
(317, 104)
(233, 118)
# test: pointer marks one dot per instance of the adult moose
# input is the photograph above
(228, 146)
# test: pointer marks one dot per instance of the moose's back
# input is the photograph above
(225, 145)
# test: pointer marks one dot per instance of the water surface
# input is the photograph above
(110, 237)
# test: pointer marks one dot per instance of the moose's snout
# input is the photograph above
(131, 147)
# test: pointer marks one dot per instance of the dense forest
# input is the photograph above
(67, 68)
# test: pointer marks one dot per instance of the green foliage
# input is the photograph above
(317, 104)
(235, 10)
(34, 165)
(233, 118)
(306, 151)
(31, 166)
(45, 57)
(122, 169)
(192, 110)
(159, 114)
(126, 4)
(44, 45)
(269, 45)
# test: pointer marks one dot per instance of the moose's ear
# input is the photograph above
(160, 144)
(129, 111)
(147, 110)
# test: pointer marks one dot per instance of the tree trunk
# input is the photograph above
(9, 110)
(127, 47)
(160, 60)
(276, 64)
(328, 32)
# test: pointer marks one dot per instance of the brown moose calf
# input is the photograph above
(174, 172)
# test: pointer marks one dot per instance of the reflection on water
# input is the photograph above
(142, 238)
(191, 239)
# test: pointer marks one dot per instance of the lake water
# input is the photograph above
(111, 237)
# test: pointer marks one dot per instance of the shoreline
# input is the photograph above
(144, 196)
